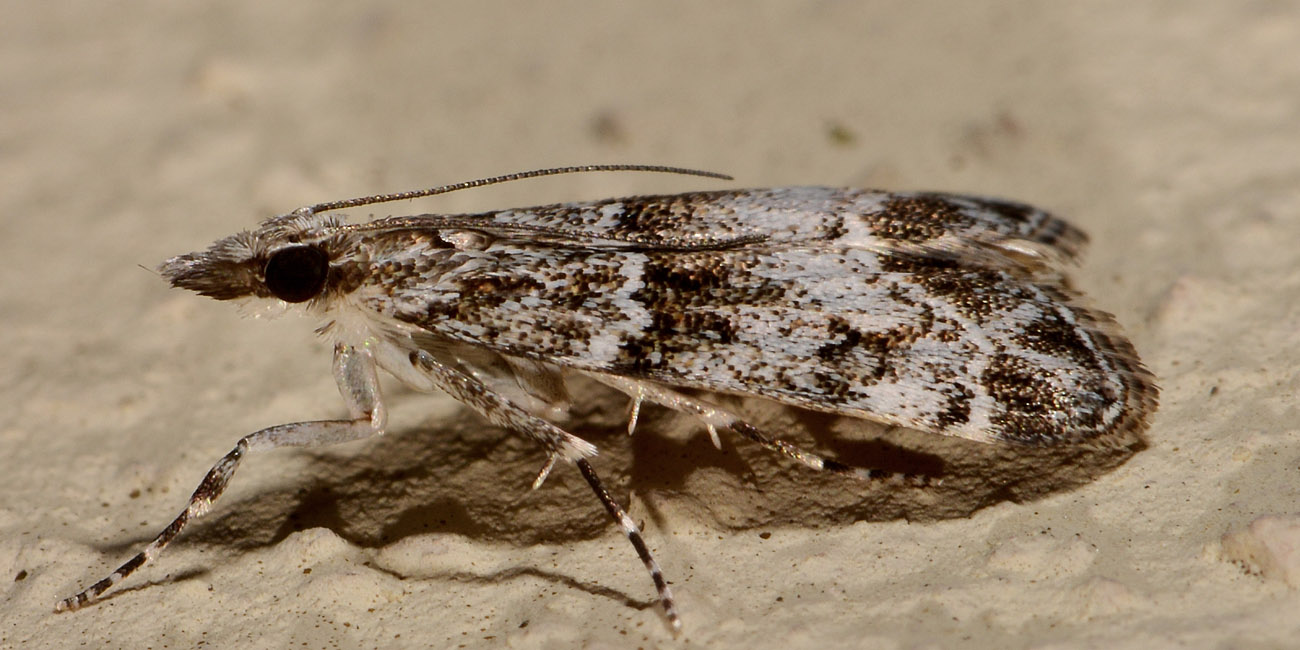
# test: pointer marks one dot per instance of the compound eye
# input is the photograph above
(297, 273)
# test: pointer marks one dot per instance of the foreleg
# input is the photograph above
(354, 370)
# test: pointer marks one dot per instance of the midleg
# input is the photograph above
(634, 536)
(559, 444)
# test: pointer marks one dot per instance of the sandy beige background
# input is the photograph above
(131, 132)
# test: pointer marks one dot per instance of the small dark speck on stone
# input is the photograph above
(840, 135)
(607, 128)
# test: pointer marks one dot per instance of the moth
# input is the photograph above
(944, 313)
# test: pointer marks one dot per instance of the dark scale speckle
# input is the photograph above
(916, 219)
(493, 290)
(841, 338)
(957, 411)
(707, 280)
(648, 215)
(1018, 212)
(1027, 402)
(1052, 335)
(715, 327)
(582, 283)
(865, 355)
(976, 292)
(832, 220)
(832, 229)
(946, 330)
(673, 332)
(830, 382)
(636, 356)
(685, 276)
(684, 284)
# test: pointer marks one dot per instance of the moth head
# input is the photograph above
(286, 258)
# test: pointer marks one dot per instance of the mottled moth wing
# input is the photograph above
(938, 312)
(991, 231)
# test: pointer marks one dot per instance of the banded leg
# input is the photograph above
(634, 535)
(497, 408)
(559, 443)
(354, 370)
(715, 417)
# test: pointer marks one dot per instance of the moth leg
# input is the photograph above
(638, 396)
(634, 536)
(715, 417)
(713, 436)
(546, 470)
(559, 443)
(354, 370)
(498, 409)
(634, 411)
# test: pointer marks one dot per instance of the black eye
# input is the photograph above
(297, 273)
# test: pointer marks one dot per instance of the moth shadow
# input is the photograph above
(744, 486)
(470, 478)
(461, 476)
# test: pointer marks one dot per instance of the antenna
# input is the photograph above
(554, 171)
